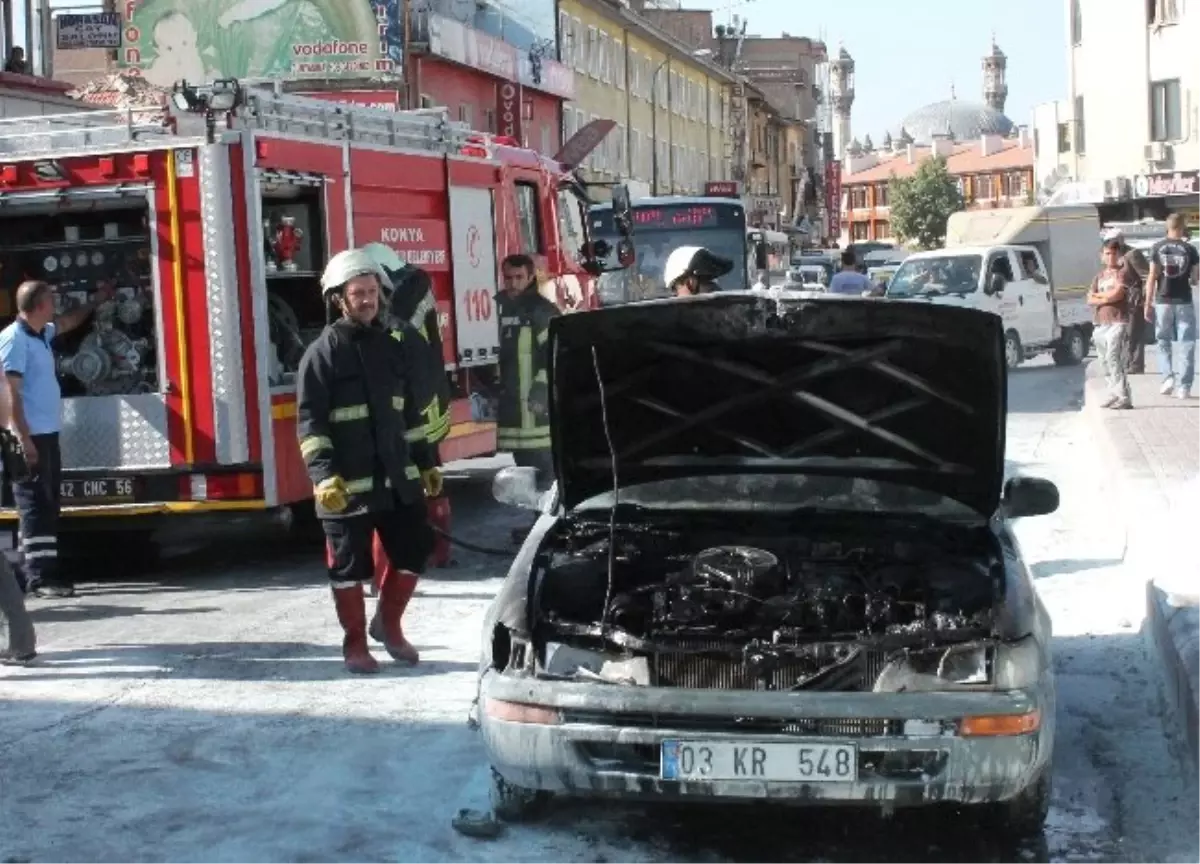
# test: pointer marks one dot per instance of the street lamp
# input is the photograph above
(699, 52)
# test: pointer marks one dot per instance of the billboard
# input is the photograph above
(165, 41)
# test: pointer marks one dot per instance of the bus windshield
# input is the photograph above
(658, 230)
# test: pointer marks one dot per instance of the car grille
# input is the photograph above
(834, 727)
(716, 671)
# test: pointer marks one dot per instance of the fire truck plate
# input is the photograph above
(107, 489)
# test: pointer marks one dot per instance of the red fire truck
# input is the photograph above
(180, 395)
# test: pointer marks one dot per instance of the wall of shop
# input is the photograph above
(472, 97)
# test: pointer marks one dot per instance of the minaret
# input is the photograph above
(841, 86)
(995, 87)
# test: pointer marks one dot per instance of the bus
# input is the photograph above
(663, 224)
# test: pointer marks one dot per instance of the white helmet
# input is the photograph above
(694, 261)
(344, 266)
(385, 259)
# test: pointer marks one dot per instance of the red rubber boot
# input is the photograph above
(395, 592)
(352, 615)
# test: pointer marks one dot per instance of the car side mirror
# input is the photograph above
(622, 210)
(760, 255)
(1029, 496)
(995, 284)
(517, 487)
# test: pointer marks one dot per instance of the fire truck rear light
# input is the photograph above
(223, 487)
(8, 175)
(141, 163)
(261, 150)
(108, 166)
(479, 152)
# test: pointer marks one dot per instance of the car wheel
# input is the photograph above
(514, 803)
(1022, 816)
(1014, 354)
(1071, 349)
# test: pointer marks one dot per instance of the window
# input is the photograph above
(581, 46)
(426, 101)
(464, 114)
(619, 64)
(1165, 119)
(1064, 138)
(881, 194)
(883, 228)
(528, 222)
(545, 148)
(1076, 22)
(605, 58)
(1001, 266)
(489, 121)
(593, 53)
(985, 187)
(570, 224)
(858, 197)
(635, 74)
(674, 166)
(860, 230)
(1080, 141)
(564, 41)
(1162, 12)
(619, 147)
(1031, 268)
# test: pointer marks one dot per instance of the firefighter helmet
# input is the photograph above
(344, 266)
(694, 261)
(387, 261)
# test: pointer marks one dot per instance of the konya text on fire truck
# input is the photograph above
(180, 395)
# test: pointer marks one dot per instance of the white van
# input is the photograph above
(1030, 265)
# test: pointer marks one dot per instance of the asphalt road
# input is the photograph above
(198, 711)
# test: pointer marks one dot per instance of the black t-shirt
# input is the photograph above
(1175, 260)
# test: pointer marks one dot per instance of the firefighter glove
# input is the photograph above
(431, 479)
(331, 494)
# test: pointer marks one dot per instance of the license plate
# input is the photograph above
(799, 762)
(99, 489)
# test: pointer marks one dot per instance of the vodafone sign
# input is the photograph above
(508, 110)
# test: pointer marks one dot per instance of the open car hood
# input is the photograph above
(741, 383)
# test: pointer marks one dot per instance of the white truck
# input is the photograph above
(1030, 265)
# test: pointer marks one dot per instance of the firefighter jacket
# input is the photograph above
(413, 304)
(523, 413)
(358, 418)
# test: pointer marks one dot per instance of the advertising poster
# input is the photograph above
(166, 41)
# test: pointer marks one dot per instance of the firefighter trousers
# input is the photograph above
(38, 502)
(403, 532)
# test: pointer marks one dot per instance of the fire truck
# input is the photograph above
(180, 394)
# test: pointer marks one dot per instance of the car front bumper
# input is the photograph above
(607, 739)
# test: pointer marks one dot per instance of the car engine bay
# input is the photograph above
(821, 606)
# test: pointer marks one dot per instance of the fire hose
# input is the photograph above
(472, 547)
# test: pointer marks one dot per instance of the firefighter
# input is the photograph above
(523, 413)
(692, 270)
(355, 407)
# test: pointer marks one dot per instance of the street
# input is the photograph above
(201, 712)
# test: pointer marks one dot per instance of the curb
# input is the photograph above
(1172, 621)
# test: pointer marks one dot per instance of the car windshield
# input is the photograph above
(945, 274)
(776, 492)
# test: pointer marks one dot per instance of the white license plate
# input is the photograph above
(97, 489)
(799, 762)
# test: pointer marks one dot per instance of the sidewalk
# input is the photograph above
(1156, 448)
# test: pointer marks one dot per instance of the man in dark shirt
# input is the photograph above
(1109, 297)
(1174, 265)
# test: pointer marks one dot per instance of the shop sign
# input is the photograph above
(94, 30)
(833, 196)
(458, 43)
(165, 41)
(723, 189)
(508, 110)
(1166, 184)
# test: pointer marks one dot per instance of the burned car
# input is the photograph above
(775, 564)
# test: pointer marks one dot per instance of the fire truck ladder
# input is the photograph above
(422, 129)
(80, 132)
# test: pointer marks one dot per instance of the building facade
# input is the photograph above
(1128, 142)
(491, 67)
(991, 172)
(670, 102)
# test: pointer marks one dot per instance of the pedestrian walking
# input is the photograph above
(849, 280)
(355, 408)
(1174, 269)
(1109, 297)
(26, 350)
(523, 427)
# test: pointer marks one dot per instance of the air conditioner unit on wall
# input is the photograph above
(1157, 151)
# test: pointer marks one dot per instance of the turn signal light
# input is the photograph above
(222, 487)
(141, 164)
(992, 725)
(519, 712)
(8, 175)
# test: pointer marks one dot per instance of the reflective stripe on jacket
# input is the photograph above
(413, 304)
(357, 418)
(523, 414)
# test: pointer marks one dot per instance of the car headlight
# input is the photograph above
(567, 661)
(1018, 664)
(968, 665)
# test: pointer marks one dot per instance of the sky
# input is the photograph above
(908, 53)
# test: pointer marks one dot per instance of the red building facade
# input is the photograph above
(490, 84)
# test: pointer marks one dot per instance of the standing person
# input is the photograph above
(692, 270)
(35, 397)
(1109, 297)
(354, 409)
(16, 61)
(849, 280)
(1139, 269)
(523, 427)
(1174, 269)
(22, 641)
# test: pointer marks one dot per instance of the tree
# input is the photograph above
(922, 204)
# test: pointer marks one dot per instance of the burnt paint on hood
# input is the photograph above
(739, 383)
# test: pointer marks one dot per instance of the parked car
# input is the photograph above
(776, 562)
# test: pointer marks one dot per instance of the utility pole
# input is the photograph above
(654, 125)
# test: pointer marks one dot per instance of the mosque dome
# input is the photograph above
(965, 121)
